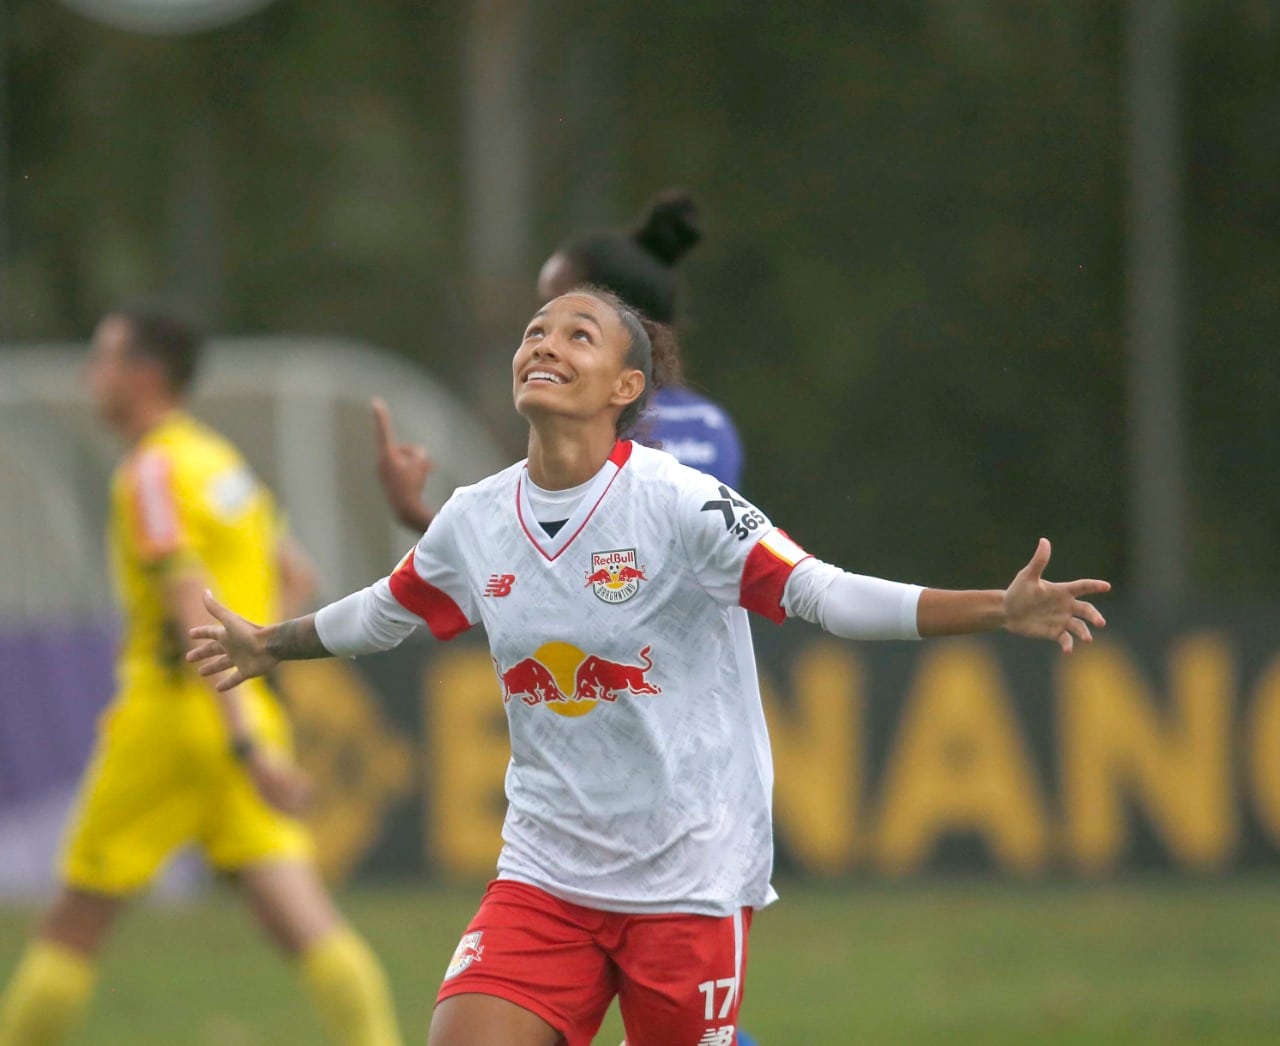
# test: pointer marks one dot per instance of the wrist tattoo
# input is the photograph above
(296, 640)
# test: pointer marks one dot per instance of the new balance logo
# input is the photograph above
(499, 584)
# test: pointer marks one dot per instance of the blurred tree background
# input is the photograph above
(912, 290)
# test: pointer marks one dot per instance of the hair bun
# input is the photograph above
(669, 226)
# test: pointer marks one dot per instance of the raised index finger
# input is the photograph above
(384, 434)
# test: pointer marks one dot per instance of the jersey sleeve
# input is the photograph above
(163, 522)
(738, 555)
(431, 581)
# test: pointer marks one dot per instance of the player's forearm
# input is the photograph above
(235, 716)
(411, 512)
(944, 612)
(186, 607)
(294, 640)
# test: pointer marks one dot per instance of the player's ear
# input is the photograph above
(628, 387)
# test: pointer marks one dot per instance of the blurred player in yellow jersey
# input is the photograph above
(176, 762)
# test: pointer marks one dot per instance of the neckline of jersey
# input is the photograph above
(551, 547)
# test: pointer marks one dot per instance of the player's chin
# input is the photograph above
(540, 398)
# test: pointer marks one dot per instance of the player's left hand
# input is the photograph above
(1048, 609)
(234, 645)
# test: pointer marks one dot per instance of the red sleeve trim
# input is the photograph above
(434, 605)
(764, 576)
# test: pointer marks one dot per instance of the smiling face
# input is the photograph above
(572, 362)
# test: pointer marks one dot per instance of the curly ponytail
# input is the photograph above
(653, 350)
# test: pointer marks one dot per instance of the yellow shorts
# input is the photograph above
(162, 776)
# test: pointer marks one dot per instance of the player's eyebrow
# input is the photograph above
(581, 315)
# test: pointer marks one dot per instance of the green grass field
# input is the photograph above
(1157, 962)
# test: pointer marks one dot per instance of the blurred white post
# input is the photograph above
(498, 194)
(588, 156)
(1157, 538)
(306, 442)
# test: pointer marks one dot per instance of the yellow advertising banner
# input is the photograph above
(891, 759)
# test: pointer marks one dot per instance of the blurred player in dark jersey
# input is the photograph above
(636, 262)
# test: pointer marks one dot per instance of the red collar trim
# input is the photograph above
(618, 457)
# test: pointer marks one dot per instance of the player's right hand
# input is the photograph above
(280, 783)
(234, 646)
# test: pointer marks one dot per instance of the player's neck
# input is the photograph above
(146, 416)
(566, 455)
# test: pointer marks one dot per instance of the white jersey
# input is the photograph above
(640, 776)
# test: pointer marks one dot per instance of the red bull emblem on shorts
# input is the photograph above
(614, 575)
(571, 682)
(469, 950)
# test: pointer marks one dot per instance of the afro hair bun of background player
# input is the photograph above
(669, 226)
(637, 262)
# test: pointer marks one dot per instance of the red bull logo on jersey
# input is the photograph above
(531, 681)
(614, 576)
(604, 680)
(571, 682)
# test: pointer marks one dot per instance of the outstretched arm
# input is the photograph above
(402, 468)
(857, 607)
(1030, 606)
(243, 650)
(361, 623)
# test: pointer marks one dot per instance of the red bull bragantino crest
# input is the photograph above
(614, 576)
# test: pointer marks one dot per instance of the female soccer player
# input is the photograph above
(612, 583)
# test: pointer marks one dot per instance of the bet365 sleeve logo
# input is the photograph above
(736, 521)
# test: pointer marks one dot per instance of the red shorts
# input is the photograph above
(678, 977)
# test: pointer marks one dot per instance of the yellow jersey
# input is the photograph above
(184, 498)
